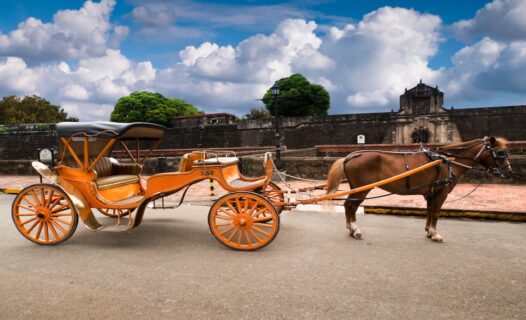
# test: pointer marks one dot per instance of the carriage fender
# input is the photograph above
(81, 205)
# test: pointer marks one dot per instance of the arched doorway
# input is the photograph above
(420, 136)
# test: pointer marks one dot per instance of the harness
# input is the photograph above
(437, 154)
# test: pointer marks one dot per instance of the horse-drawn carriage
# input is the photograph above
(86, 177)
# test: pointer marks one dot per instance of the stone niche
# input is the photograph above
(422, 118)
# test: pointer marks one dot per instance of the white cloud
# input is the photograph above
(82, 33)
(500, 20)
(387, 51)
(365, 65)
(75, 92)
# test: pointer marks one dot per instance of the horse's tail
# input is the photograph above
(335, 175)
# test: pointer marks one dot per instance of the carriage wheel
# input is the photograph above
(273, 193)
(44, 214)
(114, 213)
(243, 221)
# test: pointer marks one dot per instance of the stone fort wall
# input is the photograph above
(22, 142)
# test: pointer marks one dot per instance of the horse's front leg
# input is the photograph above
(429, 213)
(436, 205)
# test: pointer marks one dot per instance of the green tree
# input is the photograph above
(256, 113)
(298, 97)
(31, 109)
(151, 107)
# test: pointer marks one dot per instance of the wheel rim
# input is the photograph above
(273, 193)
(244, 221)
(114, 213)
(44, 214)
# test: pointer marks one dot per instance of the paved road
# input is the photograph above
(172, 268)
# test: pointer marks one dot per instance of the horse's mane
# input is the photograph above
(459, 144)
(501, 141)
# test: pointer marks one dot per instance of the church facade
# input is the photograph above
(422, 118)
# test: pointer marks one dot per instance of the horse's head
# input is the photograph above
(494, 156)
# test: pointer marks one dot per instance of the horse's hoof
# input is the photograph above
(429, 234)
(437, 238)
(357, 235)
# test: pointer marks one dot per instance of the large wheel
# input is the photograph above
(44, 214)
(243, 221)
(273, 192)
(115, 213)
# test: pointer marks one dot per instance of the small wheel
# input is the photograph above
(243, 221)
(273, 193)
(44, 214)
(115, 213)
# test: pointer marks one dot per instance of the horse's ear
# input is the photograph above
(493, 141)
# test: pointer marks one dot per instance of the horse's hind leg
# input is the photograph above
(351, 206)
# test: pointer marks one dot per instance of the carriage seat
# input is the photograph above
(111, 173)
(216, 161)
(196, 158)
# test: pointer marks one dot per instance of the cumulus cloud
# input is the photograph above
(500, 20)
(73, 34)
(365, 65)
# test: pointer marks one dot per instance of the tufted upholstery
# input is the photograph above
(111, 173)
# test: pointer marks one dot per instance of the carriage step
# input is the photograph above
(115, 228)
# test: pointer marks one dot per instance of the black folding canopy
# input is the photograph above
(106, 129)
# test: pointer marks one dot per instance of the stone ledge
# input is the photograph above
(478, 214)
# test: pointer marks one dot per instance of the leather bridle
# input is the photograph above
(498, 156)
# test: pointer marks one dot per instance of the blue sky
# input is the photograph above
(221, 55)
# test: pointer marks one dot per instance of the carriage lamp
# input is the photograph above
(275, 92)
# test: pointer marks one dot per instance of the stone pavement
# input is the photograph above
(496, 198)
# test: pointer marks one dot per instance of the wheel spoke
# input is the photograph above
(249, 213)
(259, 212)
(43, 195)
(39, 230)
(238, 206)
(68, 214)
(255, 235)
(27, 221)
(35, 197)
(26, 198)
(260, 231)
(263, 225)
(54, 203)
(32, 227)
(51, 193)
(53, 231)
(46, 231)
(27, 208)
(58, 226)
(231, 235)
(61, 208)
(234, 211)
(262, 219)
(249, 242)
(223, 224)
(60, 220)
(226, 230)
(223, 217)
(24, 214)
(226, 212)
(240, 237)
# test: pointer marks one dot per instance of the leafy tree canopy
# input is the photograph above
(151, 107)
(31, 109)
(256, 113)
(298, 97)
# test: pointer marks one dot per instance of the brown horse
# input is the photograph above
(366, 167)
